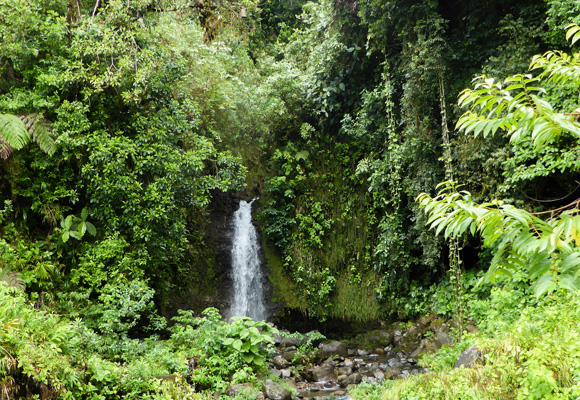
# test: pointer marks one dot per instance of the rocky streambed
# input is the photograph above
(321, 369)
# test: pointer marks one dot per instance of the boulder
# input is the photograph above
(442, 335)
(468, 357)
(380, 375)
(407, 343)
(275, 392)
(323, 373)
(234, 390)
(289, 353)
(335, 348)
(353, 379)
(280, 362)
(426, 346)
(380, 337)
(290, 341)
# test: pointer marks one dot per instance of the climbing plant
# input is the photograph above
(546, 249)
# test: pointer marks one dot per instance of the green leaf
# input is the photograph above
(237, 344)
(68, 222)
(91, 228)
(545, 284)
(569, 282)
(82, 228)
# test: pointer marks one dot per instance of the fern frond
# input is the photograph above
(40, 131)
(17, 131)
(13, 133)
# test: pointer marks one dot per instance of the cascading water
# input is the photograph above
(246, 273)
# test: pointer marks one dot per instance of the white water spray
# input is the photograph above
(248, 297)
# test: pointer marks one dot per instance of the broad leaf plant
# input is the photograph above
(544, 246)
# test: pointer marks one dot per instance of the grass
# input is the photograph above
(536, 356)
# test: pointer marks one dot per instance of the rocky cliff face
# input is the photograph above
(209, 282)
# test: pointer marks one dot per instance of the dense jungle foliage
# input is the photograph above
(124, 123)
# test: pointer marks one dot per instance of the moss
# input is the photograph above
(355, 300)
(284, 289)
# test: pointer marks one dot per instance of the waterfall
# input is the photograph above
(246, 273)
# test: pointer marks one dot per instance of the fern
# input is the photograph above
(13, 133)
(40, 131)
(17, 131)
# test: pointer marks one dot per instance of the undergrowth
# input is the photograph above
(529, 347)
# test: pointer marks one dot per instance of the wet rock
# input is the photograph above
(237, 388)
(323, 373)
(394, 362)
(468, 357)
(280, 362)
(344, 370)
(383, 338)
(289, 354)
(392, 373)
(442, 335)
(361, 352)
(335, 348)
(369, 379)
(353, 379)
(426, 346)
(276, 372)
(290, 341)
(348, 362)
(380, 375)
(275, 391)
(379, 351)
(407, 343)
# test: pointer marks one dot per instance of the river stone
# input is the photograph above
(275, 392)
(323, 373)
(344, 370)
(426, 346)
(280, 362)
(289, 342)
(468, 357)
(335, 348)
(237, 388)
(394, 362)
(442, 336)
(392, 373)
(289, 354)
(353, 379)
(407, 343)
(379, 337)
(380, 375)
